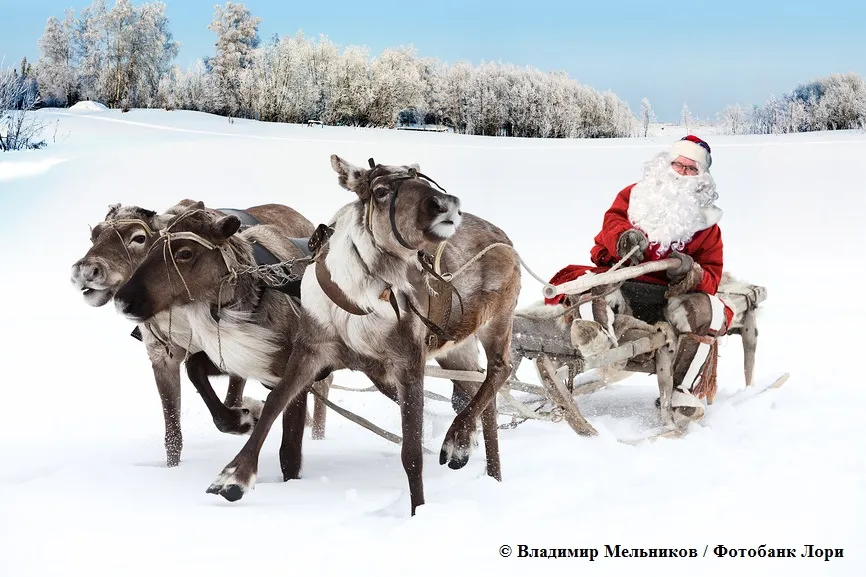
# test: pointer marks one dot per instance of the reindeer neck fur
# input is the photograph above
(243, 339)
(360, 266)
(363, 271)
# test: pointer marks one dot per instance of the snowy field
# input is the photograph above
(84, 489)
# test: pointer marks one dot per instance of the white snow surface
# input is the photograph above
(88, 106)
(84, 489)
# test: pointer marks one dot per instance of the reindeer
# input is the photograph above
(203, 272)
(361, 309)
(119, 244)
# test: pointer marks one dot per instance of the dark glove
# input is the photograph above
(630, 239)
(686, 262)
(685, 277)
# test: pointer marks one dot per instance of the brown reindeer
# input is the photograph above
(119, 244)
(362, 310)
(203, 272)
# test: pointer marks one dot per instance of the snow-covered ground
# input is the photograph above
(83, 485)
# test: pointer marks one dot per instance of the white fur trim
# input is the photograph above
(590, 338)
(681, 399)
(540, 310)
(586, 310)
(693, 151)
(718, 307)
(697, 362)
(676, 313)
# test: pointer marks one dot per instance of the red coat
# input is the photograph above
(705, 248)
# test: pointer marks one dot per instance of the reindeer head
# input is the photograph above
(119, 244)
(188, 262)
(403, 208)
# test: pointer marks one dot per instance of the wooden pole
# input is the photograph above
(438, 372)
(560, 395)
(587, 282)
(364, 422)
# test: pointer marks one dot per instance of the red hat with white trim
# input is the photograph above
(694, 148)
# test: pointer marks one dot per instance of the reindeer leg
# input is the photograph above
(465, 358)
(320, 411)
(457, 446)
(235, 391)
(412, 455)
(309, 359)
(235, 397)
(166, 372)
(234, 420)
(293, 437)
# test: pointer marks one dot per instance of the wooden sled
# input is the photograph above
(542, 334)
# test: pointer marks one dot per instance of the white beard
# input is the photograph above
(670, 208)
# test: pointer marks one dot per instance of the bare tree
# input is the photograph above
(20, 128)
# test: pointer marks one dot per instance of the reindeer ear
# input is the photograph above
(190, 204)
(112, 210)
(350, 176)
(226, 226)
(161, 221)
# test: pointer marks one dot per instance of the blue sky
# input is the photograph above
(705, 54)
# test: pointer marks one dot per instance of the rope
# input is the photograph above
(451, 276)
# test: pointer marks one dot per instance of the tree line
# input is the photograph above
(122, 56)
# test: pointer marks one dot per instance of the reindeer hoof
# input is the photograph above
(243, 419)
(232, 493)
(230, 486)
(454, 462)
(457, 448)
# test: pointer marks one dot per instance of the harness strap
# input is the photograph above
(437, 331)
(330, 288)
(392, 214)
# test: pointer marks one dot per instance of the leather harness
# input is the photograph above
(262, 256)
(440, 299)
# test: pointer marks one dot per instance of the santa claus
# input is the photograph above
(669, 212)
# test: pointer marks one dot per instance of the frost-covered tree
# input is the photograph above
(57, 72)
(647, 115)
(686, 118)
(396, 84)
(352, 85)
(237, 37)
(91, 48)
(834, 102)
(117, 56)
(733, 119)
(121, 56)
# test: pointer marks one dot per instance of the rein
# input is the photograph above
(271, 275)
